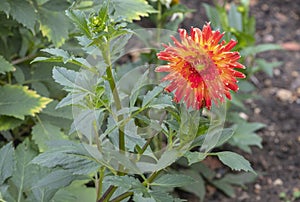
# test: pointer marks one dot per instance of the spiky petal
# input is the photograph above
(201, 69)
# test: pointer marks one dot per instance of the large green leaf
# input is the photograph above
(234, 161)
(23, 12)
(173, 180)
(19, 101)
(5, 66)
(54, 25)
(69, 155)
(132, 9)
(23, 175)
(44, 132)
(7, 163)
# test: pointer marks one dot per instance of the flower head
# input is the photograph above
(201, 69)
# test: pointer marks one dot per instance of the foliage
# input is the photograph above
(105, 129)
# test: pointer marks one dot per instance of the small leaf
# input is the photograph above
(234, 161)
(132, 9)
(194, 157)
(19, 101)
(9, 122)
(5, 66)
(126, 182)
(151, 95)
(173, 180)
(79, 19)
(7, 163)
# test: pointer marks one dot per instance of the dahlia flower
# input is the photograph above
(201, 69)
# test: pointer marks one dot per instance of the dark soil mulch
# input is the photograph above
(278, 163)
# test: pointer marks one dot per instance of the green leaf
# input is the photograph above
(151, 95)
(132, 9)
(213, 15)
(267, 66)
(197, 188)
(4, 6)
(126, 182)
(56, 5)
(244, 136)
(54, 25)
(234, 161)
(166, 159)
(194, 157)
(19, 101)
(141, 198)
(69, 155)
(7, 163)
(9, 122)
(78, 193)
(227, 133)
(79, 19)
(5, 66)
(161, 196)
(23, 12)
(23, 175)
(252, 50)
(235, 18)
(56, 179)
(173, 180)
(65, 77)
(52, 110)
(44, 132)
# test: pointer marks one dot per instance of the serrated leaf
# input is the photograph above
(54, 25)
(151, 95)
(7, 162)
(23, 12)
(132, 9)
(79, 19)
(160, 196)
(234, 161)
(19, 101)
(65, 77)
(137, 86)
(69, 155)
(5, 66)
(194, 157)
(166, 159)
(44, 132)
(126, 182)
(141, 198)
(23, 175)
(173, 180)
(9, 122)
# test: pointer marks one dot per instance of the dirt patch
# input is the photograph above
(278, 163)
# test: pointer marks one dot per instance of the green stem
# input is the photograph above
(159, 20)
(100, 182)
(122, 197)
(107, 195)
(117, 100)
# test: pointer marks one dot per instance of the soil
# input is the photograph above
(278, 163)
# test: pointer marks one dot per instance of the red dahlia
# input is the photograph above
(201, 69)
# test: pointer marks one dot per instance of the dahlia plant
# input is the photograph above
(131, 123)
